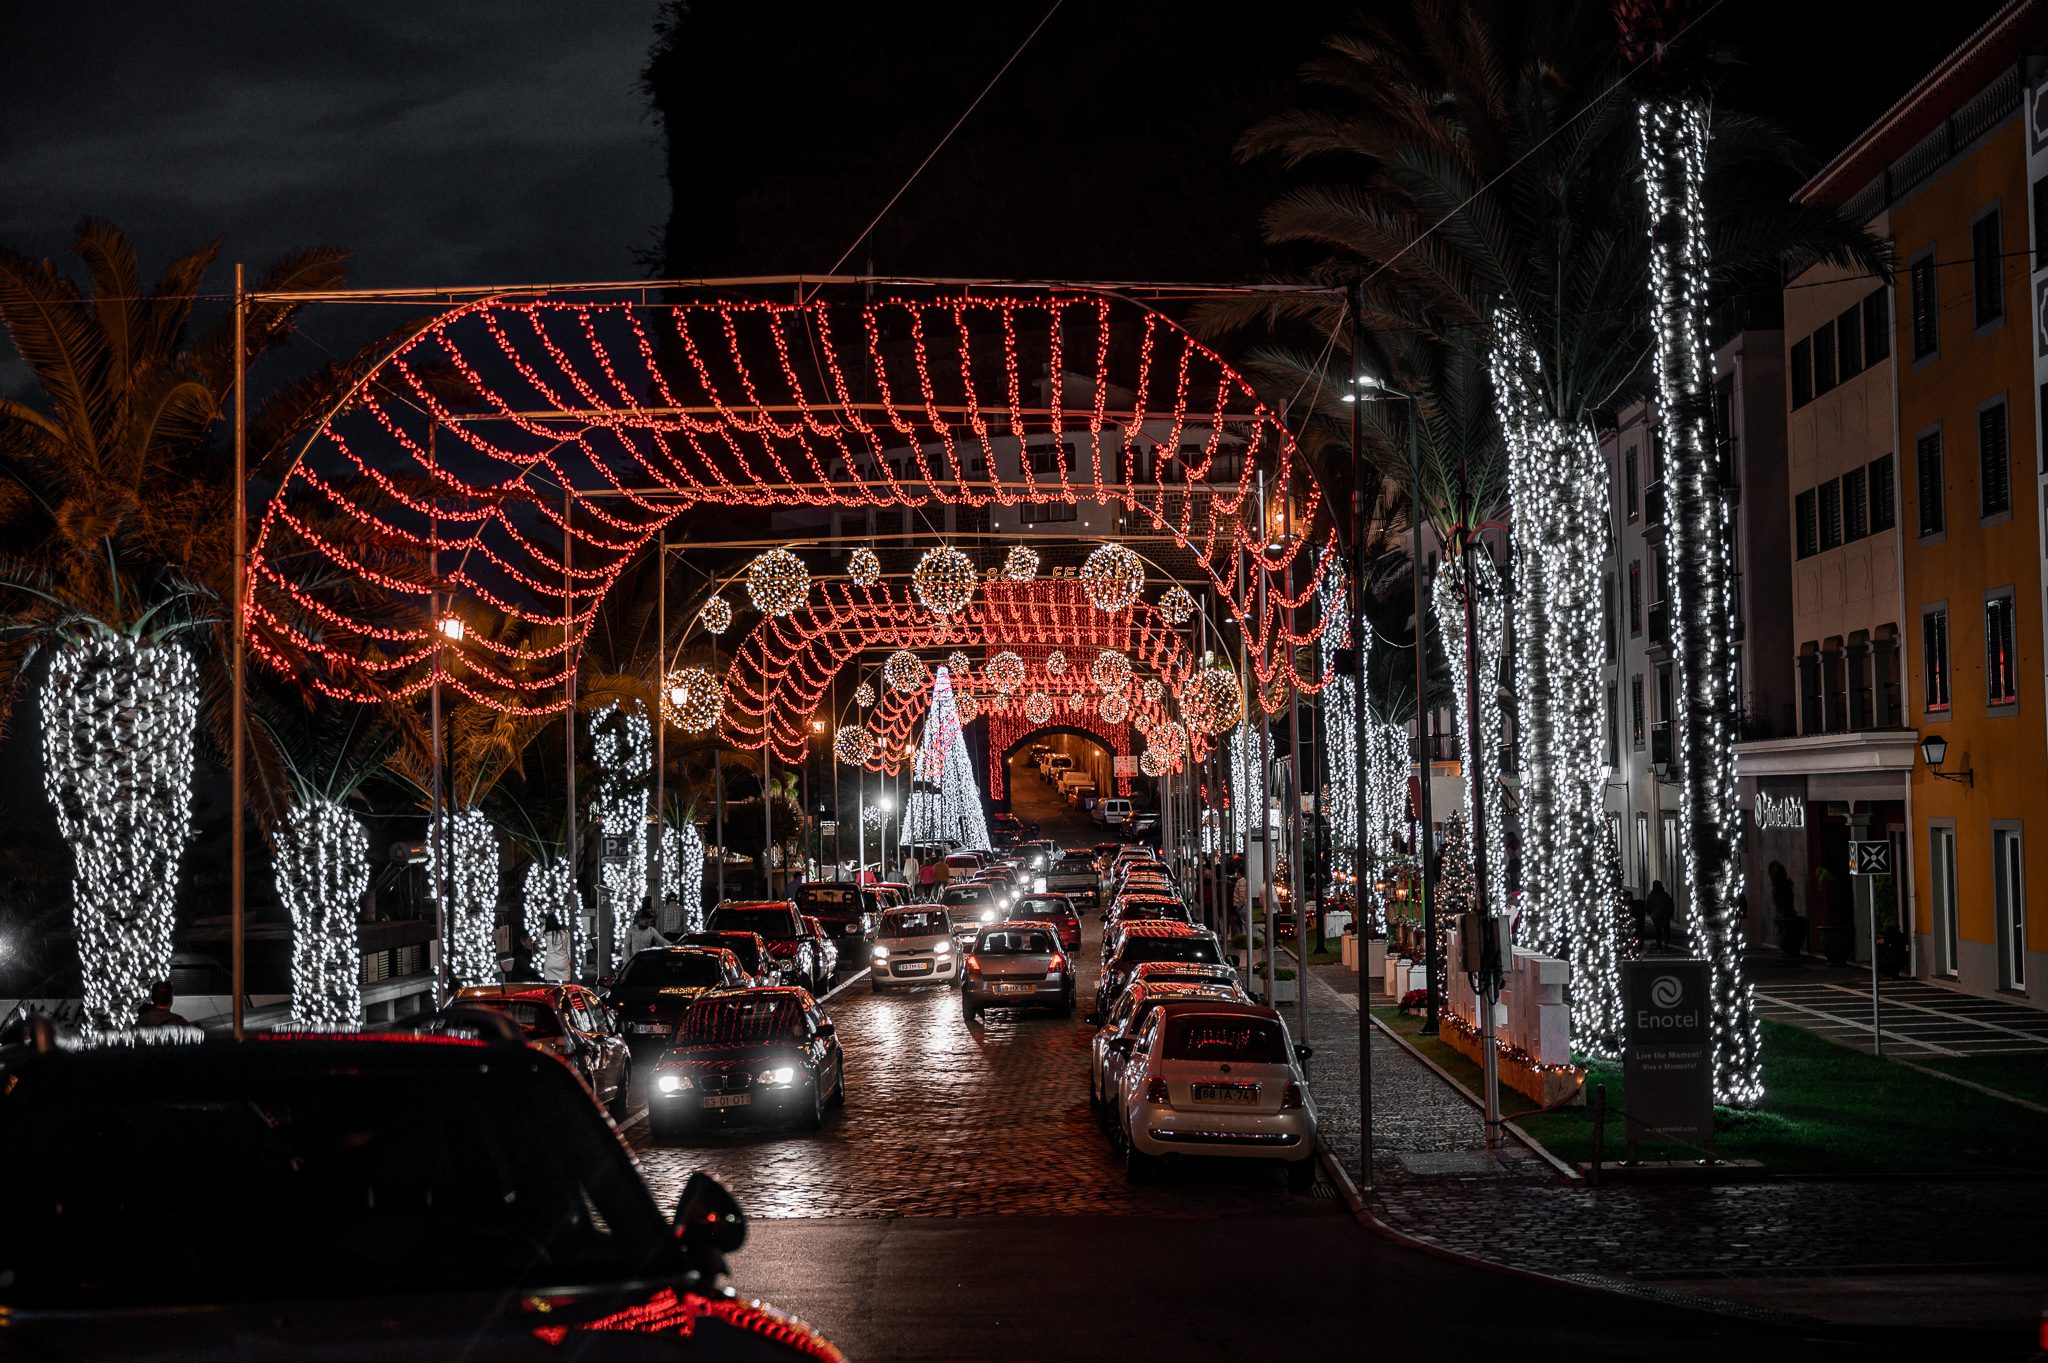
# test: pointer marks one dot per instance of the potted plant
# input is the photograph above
(1838, 925)
(1891, 938)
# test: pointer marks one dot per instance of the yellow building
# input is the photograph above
(1958, 170)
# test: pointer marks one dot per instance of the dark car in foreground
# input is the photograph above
(367, 1197)
(747, 1057)
(657, 985)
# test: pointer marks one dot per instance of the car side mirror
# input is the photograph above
(604, 981)
(1121, 1045)
(709, 1223)
(1302, 1053)
(826, 1029)
(1234, 962)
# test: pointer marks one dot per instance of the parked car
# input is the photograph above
(1137, 907)
(655, 986)
(1017, 965)
(1214, 1080)
(1111, 811)
(847, 910)
(1184, 972)
(914, 945)
(824, 947)
(1055, 766)
(1056, 909)
(567, 1021)
(753, 1055)
(1141, 942)
(1106, 1060)
(970, 906)
(781, 927)
(750, 947)
(455, 1186)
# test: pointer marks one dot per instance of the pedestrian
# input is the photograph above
(1240, 901)
(642, 935)
(157, 1012)
(524, 967)
(1661, 911)
(555, 951)
(927, 880)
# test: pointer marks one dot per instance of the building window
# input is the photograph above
(1808, 524)
(1613, 727)
(1927, 456)
(1823, 360)
(2008, 886)
(1635, 597)
(1926, 308)
(1855, 506)
(1934, 658)
(1635, 701)
(1802, 373)
(1877, 328)
(2041, 223)
(2001, 668)
(1849, 343)
(1039, 513)
(1831, 515)
(1883, 499)
(1811, 719)
(1634, 484)
(1643, 853)
(1994, 464)
(1941, 866)
(1884, 671)
(1857, 659)
(1987, 268)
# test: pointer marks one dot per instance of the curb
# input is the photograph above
(1530, 1143)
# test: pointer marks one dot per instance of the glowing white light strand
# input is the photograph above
(1340, 725)
(117, 765)
(682, 871)
(323, 872)
(545, 891)
(1674, 138)
(622, 746)
(1482, 770)
(472, 886)
(1389, 763)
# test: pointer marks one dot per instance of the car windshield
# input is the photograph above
(1137, 949)
(1225, 1039)
(741, 1018)
(417, 1181)
(972, 895)
(1014, 942)
(1033, 904)
(829, 899)
(1077, 862)
(777, 925)
(916, 923)
(671, 970)
(537, 1021)
(741, 945)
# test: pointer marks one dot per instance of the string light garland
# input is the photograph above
(692, 700)
(1020, 564)
(1055, 663)
(1340, 733)
(905, 672)
(471, 882)
(1038, 707)
(1176, 605)
(864, 567)
(1111, 671)
(323, 872)
(117, 766)
(1005, 672)
(715, 615)
(1114, 708)
(549, 885)
(682, 871)
(854, 744)
(1481, 760)
(944, 580)
(1389, 766)
(864, 695)
(622, 746)
(778, 582)
(1113, 577)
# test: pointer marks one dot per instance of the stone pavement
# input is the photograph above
(1740, 1243)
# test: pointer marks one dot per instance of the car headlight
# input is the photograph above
(671, 1083)
(781, 1074)
(944, 945)
(988, 915)
(881, 953)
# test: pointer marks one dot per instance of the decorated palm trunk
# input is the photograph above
(1674, 134)
(622, 745)
(1388, 762)
(323, 872)
(1340, 723)
(549, 888)
(1559, 491)
(1481, 752)
(117, 764)
(682, 871)
(472, 889)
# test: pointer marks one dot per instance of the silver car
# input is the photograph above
(1017, 965)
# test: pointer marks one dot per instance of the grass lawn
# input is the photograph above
(2023, 1076)
(1826, 1110)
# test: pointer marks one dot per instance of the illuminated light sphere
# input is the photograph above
(1169, 740)
(864, 695)
(715, 615)
(1021, 564)
(1176, 607)
(1005, 672)
(1212, 701)
(1154, 690)
(1055, 663)
(1113, 576)
(944, 580)
(692, 699)
(1111, 670)
(905, 672)
(853, 744)
(1152, 764)
(1077, 702)
(864, 567)
(1038, 708)
(959, 664)
(778, 582)
(966, 706)
(1115, 707)
(1142, 721)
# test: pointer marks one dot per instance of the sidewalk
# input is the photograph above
(1915, 1252)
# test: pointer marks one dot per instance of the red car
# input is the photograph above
(789, 942)
(1055, 909)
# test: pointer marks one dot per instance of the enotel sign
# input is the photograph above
(1779, 811)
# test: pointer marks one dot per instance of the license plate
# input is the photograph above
(1015, 988)
(646, 1028)
(913, 967)
(729, 1100)
(1226, 1093)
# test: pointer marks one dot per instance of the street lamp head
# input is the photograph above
(451, 628)
(1934, 749)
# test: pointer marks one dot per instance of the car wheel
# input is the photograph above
(876, 981)
(1138, 1166)
(969, 1012)
(1301, 1175)
(617, 1106)
(1067, 1004)
(839, 1087)
(664, 1131)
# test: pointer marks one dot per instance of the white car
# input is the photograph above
(914, 945)
(1214, 1081)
